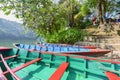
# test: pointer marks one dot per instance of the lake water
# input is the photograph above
(9, 43)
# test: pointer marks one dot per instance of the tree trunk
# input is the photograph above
(104, 6)
(100, 12)
(71, 20)
(71, 14)
(101, 23)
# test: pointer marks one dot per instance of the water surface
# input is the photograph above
(9, 43)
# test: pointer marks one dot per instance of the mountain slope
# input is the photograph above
(13, 30)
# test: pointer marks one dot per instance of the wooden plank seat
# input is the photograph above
(59, 72)
(8, 68)
(23, 66)
(9, 57)
(2, 77)
(5, 48)
(12, 71)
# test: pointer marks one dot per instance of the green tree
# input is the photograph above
(46, 18)
(42, 16)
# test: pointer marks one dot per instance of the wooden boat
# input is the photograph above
(65, 45)
(21, 64)
(64, 49)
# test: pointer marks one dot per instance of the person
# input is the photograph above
(94, 20)
(118, 17)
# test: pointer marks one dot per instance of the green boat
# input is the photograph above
(21, 64)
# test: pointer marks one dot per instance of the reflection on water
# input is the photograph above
(9, 43)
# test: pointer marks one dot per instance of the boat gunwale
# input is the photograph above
(88, 47)
(92, 51)
(8, 68)
(74, 56)
(78, 56)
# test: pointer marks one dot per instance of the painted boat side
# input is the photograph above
(87, 67)
(58, 45)
(67, 50)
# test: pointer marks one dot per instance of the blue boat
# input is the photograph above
(64, 49)
(65, 45)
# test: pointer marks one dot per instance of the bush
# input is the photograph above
(69, 36)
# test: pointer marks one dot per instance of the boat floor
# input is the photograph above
(38, 72)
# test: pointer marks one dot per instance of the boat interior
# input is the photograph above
(21, 64)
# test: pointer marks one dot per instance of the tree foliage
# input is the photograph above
(48, 19)
(42, 16)
(69, 36)
(45, 17)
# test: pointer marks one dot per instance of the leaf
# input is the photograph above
(7, 12)
(4, 9)
(17, 16)
(10, 7)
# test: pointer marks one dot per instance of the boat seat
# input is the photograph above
(43, 49)
(9, 57)
(26, 46)
(59, 72)
(64, 49)
(49, 48)
(8, 68)
(55, 45)
(73, 49)
(111, 76)
(21, 45)
(84, 50)
(46, 44)
(56, 49)
(38, 48)
(32, 47)
(23, 66)
(2, 77)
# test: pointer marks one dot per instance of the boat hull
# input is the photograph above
(66, 50)
(32, 65)
(67, 45)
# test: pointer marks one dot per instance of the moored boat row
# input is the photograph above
(64, 49)
(65, 45)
